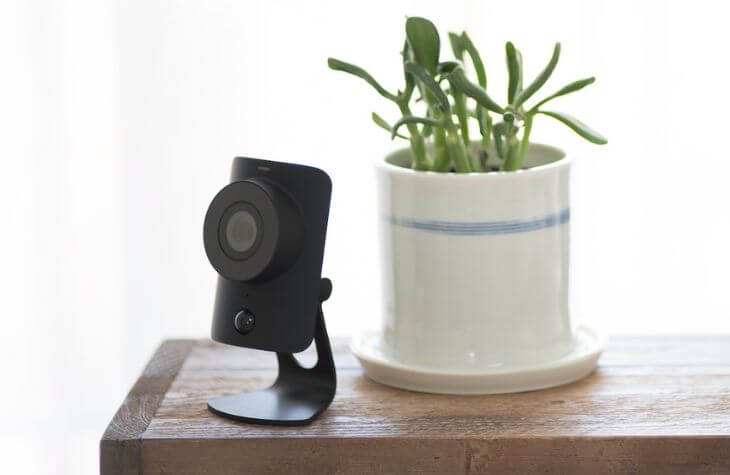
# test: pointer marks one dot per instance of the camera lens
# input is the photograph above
(253, 231)
(241, 231)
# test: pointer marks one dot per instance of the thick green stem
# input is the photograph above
(463, 115)
(485, 129)
(442, 160)
(457, 150)
(418, 148)
(513, 146)
(418, 145)
(487, 137)
(524, 145)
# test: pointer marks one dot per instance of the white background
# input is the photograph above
(119, 120)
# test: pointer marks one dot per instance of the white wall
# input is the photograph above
(119, 120)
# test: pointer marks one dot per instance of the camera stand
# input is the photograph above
(298, 395)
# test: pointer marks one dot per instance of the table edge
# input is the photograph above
(121, 444)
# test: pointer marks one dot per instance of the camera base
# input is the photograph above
(298, 395)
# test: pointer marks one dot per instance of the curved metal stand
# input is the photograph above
(298, 395)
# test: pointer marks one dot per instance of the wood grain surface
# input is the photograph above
(121, 443)
(655, 405)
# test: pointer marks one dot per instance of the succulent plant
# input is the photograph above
(440, 137)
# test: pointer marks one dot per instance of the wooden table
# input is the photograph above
(655, 404)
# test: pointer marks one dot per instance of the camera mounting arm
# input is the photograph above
(299, 394)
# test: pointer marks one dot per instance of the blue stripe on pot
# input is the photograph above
(486, 227)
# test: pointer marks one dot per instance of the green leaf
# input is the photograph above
(420, 73)
(514, 67)
(458, 80)
(539, 80)
(578, 127)
(572, 87)
(409, 119)
(522, 71)
(424, 41)
(482, 118)
(384, 124)
(456, 46)
(406, 53)
(338, 65)
(476, 60)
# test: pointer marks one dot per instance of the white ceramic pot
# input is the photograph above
(475, 268)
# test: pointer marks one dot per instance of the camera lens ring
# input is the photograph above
(280, 222)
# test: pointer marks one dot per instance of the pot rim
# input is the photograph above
(563, 161)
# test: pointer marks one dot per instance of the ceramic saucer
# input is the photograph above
(368, 348)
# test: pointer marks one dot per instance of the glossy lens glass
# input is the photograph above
(241, 231)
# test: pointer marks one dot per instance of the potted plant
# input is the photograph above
(475, 229)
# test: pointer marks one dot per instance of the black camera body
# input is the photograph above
(264, 234)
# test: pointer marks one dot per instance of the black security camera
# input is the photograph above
(264, 234)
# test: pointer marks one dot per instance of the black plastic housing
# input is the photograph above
(279, 283)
